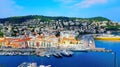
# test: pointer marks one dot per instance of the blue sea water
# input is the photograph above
(79, 59)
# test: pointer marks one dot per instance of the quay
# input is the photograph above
(48, 52)
(92, 50)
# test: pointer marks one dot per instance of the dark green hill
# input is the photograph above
(20, 19)
(99, 19)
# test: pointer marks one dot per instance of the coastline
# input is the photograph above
(84, 59)
(24, 52)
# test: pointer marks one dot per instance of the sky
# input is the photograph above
(70, 8)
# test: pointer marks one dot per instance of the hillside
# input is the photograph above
(20, 19)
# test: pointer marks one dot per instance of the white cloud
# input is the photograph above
(81, 3)
(8, 8)
(89, 3)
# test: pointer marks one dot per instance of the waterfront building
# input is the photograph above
(69, 42)
(43, 42)
(2, 42)
(14, 42)
(17, 42)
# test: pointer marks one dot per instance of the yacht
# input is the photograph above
(67, 53)
(25, 64)
(45, 66)
(55, 55)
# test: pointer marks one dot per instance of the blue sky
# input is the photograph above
(71, 8)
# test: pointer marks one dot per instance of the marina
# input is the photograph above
(65, 50)
(59, 33)
(32, 52)
(47, 57)
(46, 53)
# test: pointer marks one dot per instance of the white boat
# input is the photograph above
(55, 54)
(47, 55)
(41, 66)
(45, 66)
(70, 52)
(67, 53)
(59, 54)
(25, 64)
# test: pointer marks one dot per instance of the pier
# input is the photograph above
(93, 50)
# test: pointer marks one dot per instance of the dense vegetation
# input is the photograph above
(99, 19)
(20, 19)
(1, 33)
(114, 28)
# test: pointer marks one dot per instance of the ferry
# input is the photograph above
(108, 37)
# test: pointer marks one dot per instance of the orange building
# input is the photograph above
(70, 41)
(14, 42)
(3, 42)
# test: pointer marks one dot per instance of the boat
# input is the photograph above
(59, 54)
(70, 53)
(47, 55)
(67, 53)
(25, 64)
(56, 55)
(45, 66)
(107, 37)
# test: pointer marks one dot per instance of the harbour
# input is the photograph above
(84, 59)
(64, 50)
(43, 33)
(47, 52)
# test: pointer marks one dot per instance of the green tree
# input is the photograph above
(1, 34)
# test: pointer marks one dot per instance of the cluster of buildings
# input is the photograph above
(52, 27)
(35, 33)
(65, 40)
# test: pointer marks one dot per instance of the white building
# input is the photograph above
(68, 33)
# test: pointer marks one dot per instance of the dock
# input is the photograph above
(92, 50)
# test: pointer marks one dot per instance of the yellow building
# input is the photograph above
(69, 42)
(3, 42)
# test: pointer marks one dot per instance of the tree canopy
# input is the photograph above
(20, 19)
